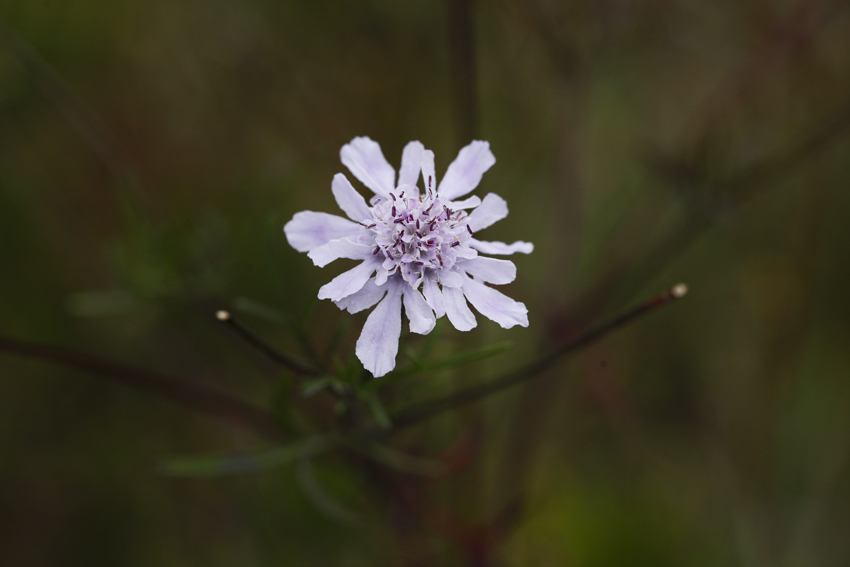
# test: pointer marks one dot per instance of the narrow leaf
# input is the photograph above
(229, 465)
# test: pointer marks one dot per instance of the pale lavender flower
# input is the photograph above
(416, 248)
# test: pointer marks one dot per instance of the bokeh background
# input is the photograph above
(150, 153)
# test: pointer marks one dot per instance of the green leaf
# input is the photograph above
(380, 414)
(229, 465)
(317, 385)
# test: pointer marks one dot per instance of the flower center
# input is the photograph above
(415, 235)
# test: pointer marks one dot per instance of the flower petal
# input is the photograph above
(469, 203)
(501, 248)
(495, 305)
(492, 209)
(369, 295)
(450, 279)
(349, 200)
(340, 248)
(457, 310)
(464, 173)
(465, 252)
(411, 163)
(364, 158)
(378, 343)
(489, 270)
(421, 317)
(308, 229)
(348, 282)
(429, 175)
(433, 296)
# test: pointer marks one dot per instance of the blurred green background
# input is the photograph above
(150, 153)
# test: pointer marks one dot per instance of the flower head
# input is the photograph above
(416, 248)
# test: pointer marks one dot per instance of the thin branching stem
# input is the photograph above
(271, 352)
(189, 394)
(427, 410)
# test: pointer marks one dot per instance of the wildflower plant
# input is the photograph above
(416, 248)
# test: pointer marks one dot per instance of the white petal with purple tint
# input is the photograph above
(490, 270)
(411, 163)
(364, 158)
(369, 295)
(421, 317)
(349, 200)
(495, 305)
(465, 172)
(450, 279)
(469, 203)
(340, 248)
(457, 310)
(348, 282)
(433, 296)
(429, 174)
(494, 247)
(378, 343)
(308, 229)
(491, 210)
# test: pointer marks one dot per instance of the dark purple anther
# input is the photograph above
(469, 229)
(376, 250)
(455, 243)
(417, 224)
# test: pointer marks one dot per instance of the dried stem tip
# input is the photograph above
(222, 315)
(679, 290)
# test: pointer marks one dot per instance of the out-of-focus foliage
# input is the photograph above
(150, 153)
